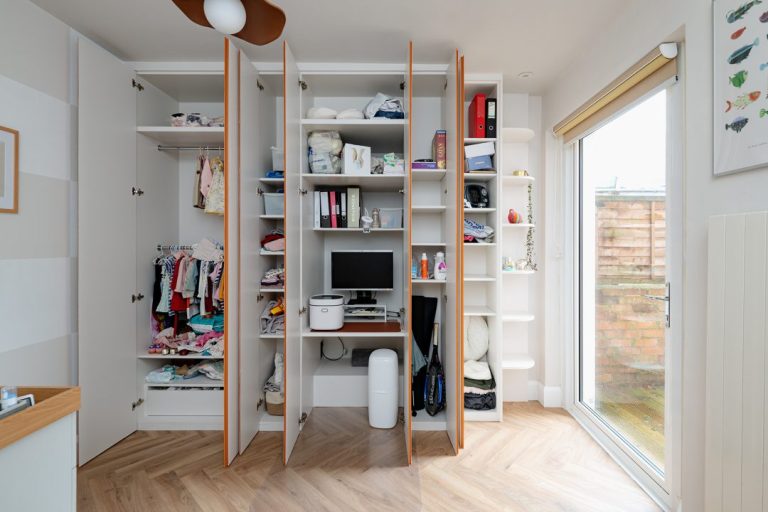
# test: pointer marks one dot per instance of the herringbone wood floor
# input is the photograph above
(538, 460)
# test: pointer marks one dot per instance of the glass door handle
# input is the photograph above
(664, 298)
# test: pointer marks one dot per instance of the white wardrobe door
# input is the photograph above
(407, 290)
(106, 250)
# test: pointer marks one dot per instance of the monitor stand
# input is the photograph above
(362, 298)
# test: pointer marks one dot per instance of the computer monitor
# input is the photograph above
(363, 272)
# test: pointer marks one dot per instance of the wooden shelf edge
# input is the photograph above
(51, 404)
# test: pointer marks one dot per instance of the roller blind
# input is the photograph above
(650, 72)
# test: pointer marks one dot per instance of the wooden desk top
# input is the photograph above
(51, 404)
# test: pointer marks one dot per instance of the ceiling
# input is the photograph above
(508, 36)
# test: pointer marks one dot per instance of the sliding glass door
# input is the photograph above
(623, 290)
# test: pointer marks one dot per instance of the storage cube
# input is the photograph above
(479, 163)
(391, 217)
(482, 149)
(273, 203)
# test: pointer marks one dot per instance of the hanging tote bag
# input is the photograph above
(214, 202)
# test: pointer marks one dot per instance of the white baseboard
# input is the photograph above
(551, 396)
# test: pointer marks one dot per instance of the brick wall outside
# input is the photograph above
(631, 232)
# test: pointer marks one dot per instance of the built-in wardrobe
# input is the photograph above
(135, 194)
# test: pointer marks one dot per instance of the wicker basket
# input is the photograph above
(275, 401)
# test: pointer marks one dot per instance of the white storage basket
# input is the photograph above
(273, 203)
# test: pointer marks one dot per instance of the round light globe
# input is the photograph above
(226, 16)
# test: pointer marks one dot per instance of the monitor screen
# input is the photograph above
(362, 270)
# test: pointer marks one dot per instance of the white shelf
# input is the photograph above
(427, 174)
(390, 182)
(262, 252)
(480, 176)
(479, 245)
(524, 225)
(271, 290)
(195, 382)
(518, 180)
(478, 311)
(517, 135)
(428, 209)
(473, 415)
(272, 217)
(269, 423)
(191, 356)
(471, 140)
(387, 132)
(339, 334)
(479, 210)
(272, 336)
(424, 422)
(173, 136)
(518, 272)
(376, 123)
(272, 181)
(478, 278)
(427, 281)
(518, 317)
(518, 362)
(428, 244)
(358, 230)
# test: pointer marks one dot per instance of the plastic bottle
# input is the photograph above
(424, 266)
(441, 269)
(414, 269)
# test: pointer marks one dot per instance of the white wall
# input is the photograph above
(645, 24)
(38, 247)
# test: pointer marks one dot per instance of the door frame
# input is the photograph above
(666, 489)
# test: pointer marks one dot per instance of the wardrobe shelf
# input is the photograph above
(195, 382)
(271, 336)
(517, 135)
(518, 317)
(518, 362)
(184, 136)
(480, 176)
(428, 209)
(478, 278)
(271, 290)
(518, 180)
(272, 181)
(479, 210)
(177, 356)
(384, 182)
(518, 272)
(428, 244)
(358, 230)
(424, 422)
(478, 311)
(428, 174)
(524, 225)
(272, 217)
(269, 423)
(271, 253)
(471, 140)
(427, 281)
(387, 132)
(479, 245)
(343, 334)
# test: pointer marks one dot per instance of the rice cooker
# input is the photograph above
(326, 312)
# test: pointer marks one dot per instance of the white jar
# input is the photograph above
(326, 312)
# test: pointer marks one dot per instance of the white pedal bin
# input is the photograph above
(382, 388)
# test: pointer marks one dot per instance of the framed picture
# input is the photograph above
(741, 76)
(9, 170)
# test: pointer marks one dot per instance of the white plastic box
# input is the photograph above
(382, 388)
(326, 312)
(391, 218)
(278, 159)
(273, 203)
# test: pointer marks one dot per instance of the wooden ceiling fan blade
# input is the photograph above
(193, 9)
(264, 22)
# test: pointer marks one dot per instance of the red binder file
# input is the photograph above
(477, 117)
(334, 218)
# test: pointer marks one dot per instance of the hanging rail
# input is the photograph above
(175, 247)
(190, 148)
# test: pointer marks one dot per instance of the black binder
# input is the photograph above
(490, 118)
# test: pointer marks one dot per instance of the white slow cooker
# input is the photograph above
(326, 312)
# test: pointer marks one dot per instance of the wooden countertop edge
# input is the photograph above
(52, 405)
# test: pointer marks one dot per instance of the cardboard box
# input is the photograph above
(479, 163)
(481, 149)
(357, 159)
(438, 148)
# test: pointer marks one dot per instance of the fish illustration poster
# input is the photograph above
(741, 85)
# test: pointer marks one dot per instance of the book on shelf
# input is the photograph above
(337, 208)
(316, 195)
(334, 215)
(353, 207)
(438, 148)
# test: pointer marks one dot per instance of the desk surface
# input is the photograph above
(51, 404)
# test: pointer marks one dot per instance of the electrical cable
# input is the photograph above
(343, 350)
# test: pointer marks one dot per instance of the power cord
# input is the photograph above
(343, 350)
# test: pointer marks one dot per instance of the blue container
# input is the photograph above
(479, 163)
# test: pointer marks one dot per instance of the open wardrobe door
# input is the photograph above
(453, 287)
(250, 201)
(231, 251)
(106, 248)
(407, 285)
(293, 417)
(460, 242)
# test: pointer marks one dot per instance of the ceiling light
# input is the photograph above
(226, 16)
(524, 74)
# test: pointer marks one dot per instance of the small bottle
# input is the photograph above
(8, 397)
(414, 269)
(441, 269)
(424, 266)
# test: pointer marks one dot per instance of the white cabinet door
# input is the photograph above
(293, 299)
(454, 393)
(106, 250)
(407, 286)
(232, 254)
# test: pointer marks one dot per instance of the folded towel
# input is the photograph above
(477, 370)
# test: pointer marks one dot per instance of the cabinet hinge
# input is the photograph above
(136, 191)
(445, 85)
(303, 418)
(445, 299)
(136, 85)
(401, 191)
(402, 86)
(259, 403)
(137, 297)
(302, 191)
(303, 85)
(259, 298)
(137, 403)
(260, 191)
(302, 310)
(259, 85)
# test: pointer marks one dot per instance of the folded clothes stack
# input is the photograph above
(274, 278)
(274, 242)
(479, 386)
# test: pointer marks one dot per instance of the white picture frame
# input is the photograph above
(9, 170)
(740, 84)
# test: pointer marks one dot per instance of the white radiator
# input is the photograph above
(737, 388)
